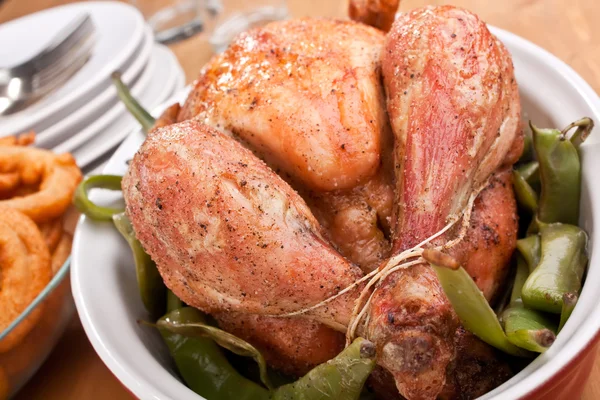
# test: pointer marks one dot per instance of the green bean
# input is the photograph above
(202, 364)
(88, 207)
(473, 310)
(132, 105)
(340, 378)
(528, 329)
(150, 284)
(560, 174)
(560, 269)
(527, 198)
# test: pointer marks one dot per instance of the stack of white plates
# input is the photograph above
(84, 116)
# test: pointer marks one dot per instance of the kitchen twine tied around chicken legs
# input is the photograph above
(403, 260)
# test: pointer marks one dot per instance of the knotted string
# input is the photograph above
(403, 260)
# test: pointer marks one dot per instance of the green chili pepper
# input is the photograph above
(526, 328)
(132, 105)
(86, 206)
(569, 302)
(530, 250)
(527, 198)
(560, 174)
(202, 364)
(224, 339)
(473, 310)
(530, 172)
(151, 286)
(521, 275)
(173, 302)
(206, 370)
(560, 269)
(340, 378)
(584, 128)
(527, 154)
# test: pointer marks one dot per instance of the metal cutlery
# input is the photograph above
(66, 53)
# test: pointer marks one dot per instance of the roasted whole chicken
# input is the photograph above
(313, 151)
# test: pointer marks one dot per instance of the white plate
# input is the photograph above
(119, 31)
(103, 276)
(167, 78)
(178, 95)
(114, 112)
(91, 111)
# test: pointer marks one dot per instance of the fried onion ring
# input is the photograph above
(23, 139)
(9, 181)
(25, 269)
(52, 232)
(62, 252)
(57, 175)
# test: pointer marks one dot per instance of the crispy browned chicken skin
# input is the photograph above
(305, 94)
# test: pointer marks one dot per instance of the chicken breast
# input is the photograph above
(304, 94)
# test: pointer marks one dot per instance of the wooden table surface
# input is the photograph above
(568, 28)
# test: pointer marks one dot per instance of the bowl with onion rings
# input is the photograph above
(36, 227)
(51, 311)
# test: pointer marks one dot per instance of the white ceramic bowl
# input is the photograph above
(105, 288)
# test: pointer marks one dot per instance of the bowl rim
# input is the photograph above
(572, 349)
(588, 329)
(54, 282)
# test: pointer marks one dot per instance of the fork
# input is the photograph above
(67, 52)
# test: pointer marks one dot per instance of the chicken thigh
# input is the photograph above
(227, 233)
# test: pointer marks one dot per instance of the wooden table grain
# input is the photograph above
(568, 28)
